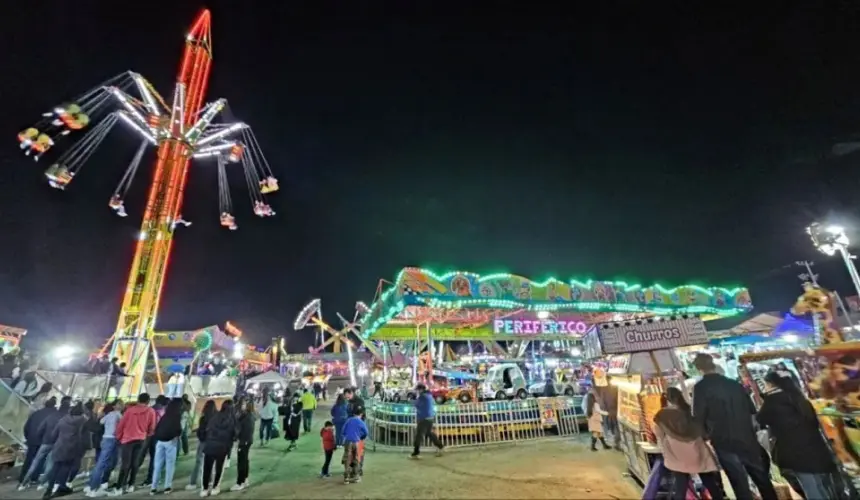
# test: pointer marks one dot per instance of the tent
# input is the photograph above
(268, 378)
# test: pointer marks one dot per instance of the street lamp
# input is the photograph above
(830, 240)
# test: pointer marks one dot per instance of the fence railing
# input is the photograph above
(478, 424)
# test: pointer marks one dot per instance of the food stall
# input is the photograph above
(640, 361)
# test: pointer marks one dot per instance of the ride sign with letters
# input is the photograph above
(651, 334)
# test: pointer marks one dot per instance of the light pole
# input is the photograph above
(830, 240)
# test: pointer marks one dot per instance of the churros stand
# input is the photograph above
(641, 363)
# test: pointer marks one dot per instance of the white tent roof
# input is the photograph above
(760, 323)
(267, 378)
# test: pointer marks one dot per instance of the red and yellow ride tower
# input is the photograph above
(133, 337)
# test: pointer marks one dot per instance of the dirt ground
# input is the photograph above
(535, 470)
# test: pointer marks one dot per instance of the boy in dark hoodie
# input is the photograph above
(45, 437)
(166, 438)
(32, 436)
(67, 438)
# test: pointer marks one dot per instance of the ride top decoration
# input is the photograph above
(473, 301)
(183, 130)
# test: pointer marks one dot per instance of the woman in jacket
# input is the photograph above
(591, 406)
(293, 421)
(220, 434)
(268, 414)
(799, 450)
(685, 452)
(206, 416)
(67, 447)
(166, 437)
(245, 437)
(338, 418)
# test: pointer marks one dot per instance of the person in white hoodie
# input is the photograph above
(268, 414)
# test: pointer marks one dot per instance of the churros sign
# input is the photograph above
(651, 334)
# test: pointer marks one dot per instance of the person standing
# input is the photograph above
(206, 416)
(109, 451)
(594, 413)
(293, 421)
(187, 418)
(329, 445)
(67, 436)
(799, 450)
(354, 432)
(33, 436)
(134, 428)
(608, 398)
(168, 430)
(43, 460)
(725, 411)
(425, 414)
(244, 438)
(309, 404)
(220, 434)
(338, 418)
(354, 403)
(268, 414)
(684, 449)
(159, 407)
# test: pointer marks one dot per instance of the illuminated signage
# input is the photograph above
(539, 327)
(652, 334)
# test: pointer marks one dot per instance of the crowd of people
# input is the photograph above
(722, 431)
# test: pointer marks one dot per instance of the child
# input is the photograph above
(329, 445)
(354, 432)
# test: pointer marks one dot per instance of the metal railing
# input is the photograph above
(478, 424)
(82, 386)
(14, 411)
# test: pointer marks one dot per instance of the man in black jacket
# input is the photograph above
(726, 412)
(44, 434)
(31, 434)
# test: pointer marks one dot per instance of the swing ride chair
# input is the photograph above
(93, 115)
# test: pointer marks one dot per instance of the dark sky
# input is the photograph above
(664, 143)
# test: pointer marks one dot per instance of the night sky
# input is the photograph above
(666, 143)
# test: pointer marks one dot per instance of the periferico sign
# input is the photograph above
(651, 334)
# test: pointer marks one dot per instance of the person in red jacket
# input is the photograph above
(136, 425)
(329, 445)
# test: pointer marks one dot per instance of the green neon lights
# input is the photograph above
(391, 302)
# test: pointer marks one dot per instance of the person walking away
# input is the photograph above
(594, 414)
(293, 422)
(354, 432)
(159, 407)
(685, 452)
(33, 436)
(329, 445)
(608, 398)
(425, 414)
(166, 437)
(206, 416)
(244, 438)
(799, 450)
(134, 428)
(67, 436)
(724, 410)
(109, 451)
(268, 414)
(309, 404)
(43, 463)
(549, 388)
(220, 434)
(338, 417)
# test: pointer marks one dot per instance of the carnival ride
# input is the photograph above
(183, 130)
(10, 337)
(508, 313)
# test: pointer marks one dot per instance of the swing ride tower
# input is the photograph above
(180, 131)
(134, 331)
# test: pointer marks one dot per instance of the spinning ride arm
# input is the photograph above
(225, 204)
(61, 173)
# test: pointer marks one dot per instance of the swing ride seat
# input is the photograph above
(268, 185)
(236, 153)
(228, 220)
(27, 136)
(115, 202)
(42, 143)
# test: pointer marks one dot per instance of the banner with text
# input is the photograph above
(651, 334)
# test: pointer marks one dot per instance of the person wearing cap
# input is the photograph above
(425, 414)
(724, 409)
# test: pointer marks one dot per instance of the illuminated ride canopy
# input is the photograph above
(462, 305)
